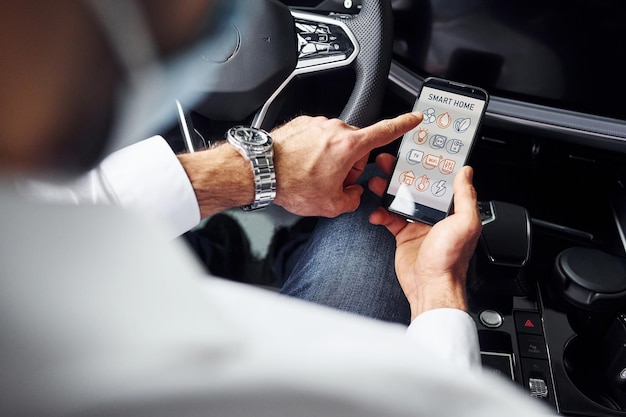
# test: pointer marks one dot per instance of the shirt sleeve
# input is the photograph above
(449, 334)
(145, 177)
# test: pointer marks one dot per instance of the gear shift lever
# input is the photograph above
(506, 233)
(505, 246)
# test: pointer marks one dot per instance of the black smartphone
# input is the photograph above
(420, 187)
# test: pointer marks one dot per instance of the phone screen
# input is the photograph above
(430, 155)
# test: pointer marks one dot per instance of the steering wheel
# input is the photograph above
(326, 43)
(269, 44)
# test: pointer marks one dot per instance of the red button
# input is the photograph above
(528, 322)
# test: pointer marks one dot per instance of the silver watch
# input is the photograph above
(256, 146)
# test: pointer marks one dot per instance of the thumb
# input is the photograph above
(351, 198)
(465, 199)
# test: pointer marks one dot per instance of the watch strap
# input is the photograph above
(264, 180)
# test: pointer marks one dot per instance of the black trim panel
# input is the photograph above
(581, 128)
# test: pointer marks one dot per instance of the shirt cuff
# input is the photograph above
(449, 334)
(147, 178)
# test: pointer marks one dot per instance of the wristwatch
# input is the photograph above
(256, 146)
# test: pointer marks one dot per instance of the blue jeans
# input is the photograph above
(348, 264)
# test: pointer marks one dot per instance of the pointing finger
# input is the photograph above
(385, 131)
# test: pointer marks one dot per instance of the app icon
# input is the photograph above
(438, 141)
(415, 156)
(432, 161)
(420, 136)
(439, 188)
(407, 178)
(444, 120)
(422, 183)
(454, 146)
(447, 166)
(462, 124)
(429, 116)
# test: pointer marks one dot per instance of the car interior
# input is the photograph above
(547, 286)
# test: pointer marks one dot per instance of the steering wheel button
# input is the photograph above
(491, 319)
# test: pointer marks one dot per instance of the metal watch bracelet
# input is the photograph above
(265, 182)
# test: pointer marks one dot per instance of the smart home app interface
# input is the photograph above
(431, 154)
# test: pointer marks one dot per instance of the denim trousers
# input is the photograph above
(348, 264)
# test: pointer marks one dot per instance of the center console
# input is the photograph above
(554, 327)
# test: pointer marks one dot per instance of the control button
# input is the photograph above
(528, 322)
(322, 47)
(538, 388)
(532, 346)
(537, 380)
(308, 48)
(491, 319)
(487, 215)
(498, 363)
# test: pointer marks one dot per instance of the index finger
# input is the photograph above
(385, 131)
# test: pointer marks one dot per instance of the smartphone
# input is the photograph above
(420, 187)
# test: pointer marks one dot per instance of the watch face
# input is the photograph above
(250, 136)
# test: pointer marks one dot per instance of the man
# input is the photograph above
(101, 315)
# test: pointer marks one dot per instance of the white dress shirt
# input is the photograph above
(148, 179)
(101, 315)
(145, 177)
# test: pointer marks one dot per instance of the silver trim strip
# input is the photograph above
(394, 78)
(619, 215)
(548, 352)
(184, 124)
(553, 127)
(564, 229)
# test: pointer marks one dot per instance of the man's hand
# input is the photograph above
(432, 261)
(318, 161)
